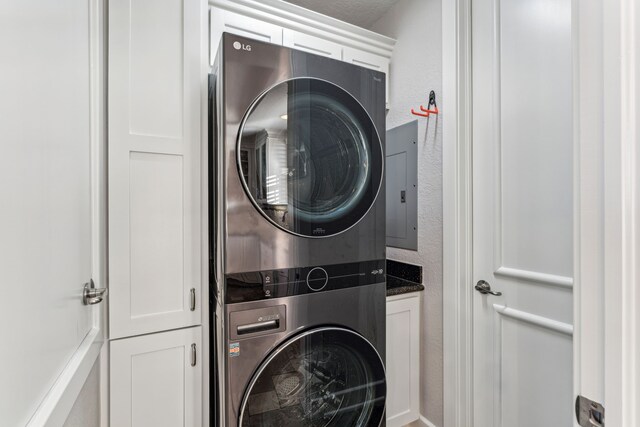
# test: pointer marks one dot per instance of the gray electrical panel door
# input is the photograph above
(401, 169)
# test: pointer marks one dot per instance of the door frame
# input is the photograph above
(606, 103)
(457, 215)
(620, 142)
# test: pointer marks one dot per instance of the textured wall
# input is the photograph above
(86, 410)
(416, 68)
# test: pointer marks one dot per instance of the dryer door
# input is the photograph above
(324, 377)
(310, 157)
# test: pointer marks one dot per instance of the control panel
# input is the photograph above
(259, 285)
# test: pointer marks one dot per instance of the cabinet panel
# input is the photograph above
(156, 109)
(154, 169)
(222, 21)
(403, 359)
(368, 60)
(156, 234)
(153, 382)
(301, 41)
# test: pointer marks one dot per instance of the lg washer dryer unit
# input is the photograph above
(297, 239)
(300, 155)
(311, 358)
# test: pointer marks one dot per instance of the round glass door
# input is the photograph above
(323, 378)
(310, 158)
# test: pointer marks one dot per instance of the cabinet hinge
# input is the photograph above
(589, 413)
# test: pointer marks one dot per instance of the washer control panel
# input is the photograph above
(259, 285)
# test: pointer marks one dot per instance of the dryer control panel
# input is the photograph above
(260, 285)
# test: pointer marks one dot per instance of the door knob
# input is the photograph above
(485, 288)
(92, 295)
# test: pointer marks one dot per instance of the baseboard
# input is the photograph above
(423, 422)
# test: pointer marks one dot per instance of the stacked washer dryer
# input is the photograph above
(297, 239)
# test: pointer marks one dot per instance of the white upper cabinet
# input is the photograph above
(289, 25)
(225, 21)
(155, 83)
(312, 44)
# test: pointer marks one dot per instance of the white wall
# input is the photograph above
(416, 68)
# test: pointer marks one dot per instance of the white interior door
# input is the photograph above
(522, 212)
(48, 110)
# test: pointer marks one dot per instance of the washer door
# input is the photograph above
(309, 157)
(324, 377)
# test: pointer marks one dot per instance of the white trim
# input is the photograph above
(423, 422)
(56, 405)
(608, 210)
(621, 21)
(309, 22)
(535, 276)
(97, 51)
(98, 146)
(402, 419)
(204, 209)
(588, 311)
(534, 319)
(457, 242)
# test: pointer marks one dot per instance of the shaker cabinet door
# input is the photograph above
(156, 380)
(312, 44)
(155, 82)
(403, 359)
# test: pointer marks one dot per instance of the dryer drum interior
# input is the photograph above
(309, 157)
(325, 377)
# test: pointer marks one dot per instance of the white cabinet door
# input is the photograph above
(301, 41)
(403, 359)
(155, 83)
(156, 380)
(368, 60)
(224, 21)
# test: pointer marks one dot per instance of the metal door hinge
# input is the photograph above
(193, 354)
(589, 413)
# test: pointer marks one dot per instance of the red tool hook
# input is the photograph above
(419, 114)
(428, 111)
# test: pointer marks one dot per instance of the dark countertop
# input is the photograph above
(397, 286)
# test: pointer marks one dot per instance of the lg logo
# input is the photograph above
(238, 46)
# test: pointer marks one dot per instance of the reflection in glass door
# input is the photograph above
(328, 377)
(316, 164)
